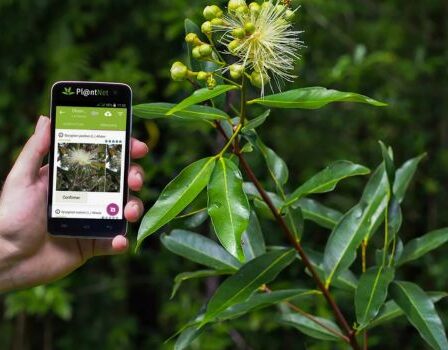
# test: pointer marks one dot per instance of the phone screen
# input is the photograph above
(89, 158)
(89, 153)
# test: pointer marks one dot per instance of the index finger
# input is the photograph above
(138, 148)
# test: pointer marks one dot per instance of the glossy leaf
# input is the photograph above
(176, 196)
(199, 249)
(187, 336)
(346, 280)
(395, 218)
(184, 276)
(228, 206)
(261, 300)
(253, 240)
(310, 328)
(420, 311)
(246, 280)
(372, 292)
(256, 122)
(312, 98)
(404, 176)
(327, 179)
(423, 245)
(201, 95)
(388, 163)
(320, 214)
(294, 220)
(391, 310)
(357, 223)
(195, 112)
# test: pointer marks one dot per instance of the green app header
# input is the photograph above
(90, 118)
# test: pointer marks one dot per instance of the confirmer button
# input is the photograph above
(70, 197)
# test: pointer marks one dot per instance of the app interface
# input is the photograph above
(89, 156)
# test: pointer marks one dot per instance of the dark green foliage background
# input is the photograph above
(391, 50)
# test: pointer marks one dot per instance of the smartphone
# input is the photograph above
(89, 159)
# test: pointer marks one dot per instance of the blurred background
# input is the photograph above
(393, 50)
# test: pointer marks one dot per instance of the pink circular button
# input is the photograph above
(112, 209)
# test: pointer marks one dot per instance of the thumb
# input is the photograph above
(27, 165)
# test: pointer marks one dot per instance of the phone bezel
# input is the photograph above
(84, 227)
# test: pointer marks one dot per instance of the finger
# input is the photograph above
(28, 164)
(119, 244)
(135, 177)
(133, 209)
(138, 149)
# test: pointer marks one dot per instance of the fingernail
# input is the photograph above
(136, 208)
(139, 177)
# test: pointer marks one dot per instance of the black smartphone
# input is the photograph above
(89, 158)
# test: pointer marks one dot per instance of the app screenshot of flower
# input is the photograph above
(89, 155)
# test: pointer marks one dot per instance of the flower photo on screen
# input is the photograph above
(88, 167)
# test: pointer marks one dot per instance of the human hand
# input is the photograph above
(28, 254)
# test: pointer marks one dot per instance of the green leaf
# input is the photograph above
(201, 95)
(423, 245)
(199, 249)
(346, 280)
(237, 288)
(195, 112)
(256, 122)
(327, 179)
(395, 218)
(228, 206)
(355, 225)
(253, 240)
(261, 300)
(312, 98)
(372, 292)
(320, 214)
(404, 176)
(184, 276)
(310, 328)
(389, 163)
(176, 196)
(420, 311)
(391, 310)
(294, 220)
(187, 336)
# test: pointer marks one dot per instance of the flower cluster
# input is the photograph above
(259, 36)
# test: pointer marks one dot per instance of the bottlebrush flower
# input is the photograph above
(80, 157)
(263, 39)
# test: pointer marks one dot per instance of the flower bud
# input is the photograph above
(239, 33)
(179, 71)
(211, 82)
(192, 38)
(202, 75)
(217, 21)
(196, 53)
(212, 11)
(254, 8)
(249, 27)
(242, 11)
(205, 50)
(234, 4)
(236, 71)
(259, 79)
(206, 28)
(233, 45)
(289, 15)
(266, 5)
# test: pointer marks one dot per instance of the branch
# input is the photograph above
(297, 246)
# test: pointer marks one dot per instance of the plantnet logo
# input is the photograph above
(68, 91)
(93, 92)
(85, 92)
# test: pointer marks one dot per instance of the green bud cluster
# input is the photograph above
(258, 79)
(212, 11)
(236, 71)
